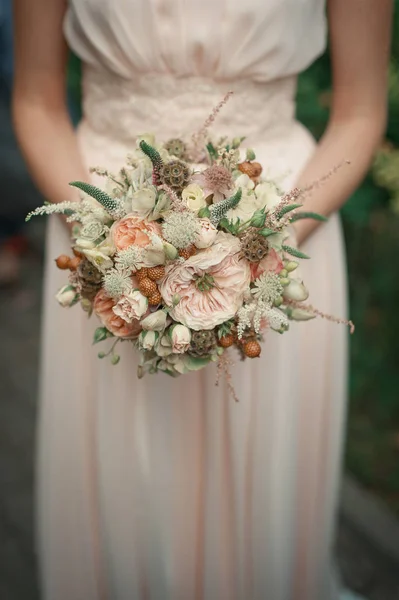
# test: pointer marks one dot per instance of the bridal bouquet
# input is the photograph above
(184, 258)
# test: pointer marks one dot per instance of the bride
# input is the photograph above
(161, 488)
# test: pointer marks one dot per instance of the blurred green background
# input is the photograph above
(371, 226)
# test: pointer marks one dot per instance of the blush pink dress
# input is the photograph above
(164, 489)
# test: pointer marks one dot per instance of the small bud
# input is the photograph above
(295, 291)
(283, 273)
(291, 265)
(285, 281)
(299, 314)
(258, 219)
(250, 155)
(140, 372)
(101, 354)
(171, 252)
(278, 301)
(237, 142)
(175, 300)
(115, 359)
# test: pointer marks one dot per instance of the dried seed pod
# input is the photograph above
(155, 299)
(252, 349)
(254, 247)
(252, 169)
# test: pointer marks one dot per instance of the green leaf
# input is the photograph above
(308, 215)
(266, 232)
(258, 218)
(204, 212)
(287, 209)
(294, 252)
(100, 334)
(212, 150)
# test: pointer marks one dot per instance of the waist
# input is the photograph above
(120, 109)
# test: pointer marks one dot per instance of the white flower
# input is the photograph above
(181, 338)
(148, 339)
(117, 283)
(248, 203)
(267, 287)
(130, 259)
(194, 197)
(132, 306)
(92, 230)
(295, 290)
(207, 234)
(156, 321)
(180, 228)
(67, 296)
(99, 254)
(165, 346)
(268, 194)
(141, 202)
(154, 253)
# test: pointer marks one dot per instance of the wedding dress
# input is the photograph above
(167, 489)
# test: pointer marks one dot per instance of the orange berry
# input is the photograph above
(147, 287)
(63, 261)
(155, 299)
(77, 253)
(156, 273)
(226, 341)
(142, 273)
(74, 263)
(252, 349)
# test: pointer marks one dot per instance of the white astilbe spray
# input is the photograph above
(116, 283)
(251, 316)
(181, 228)
(267, 288)
(70, 208)
(130, 259)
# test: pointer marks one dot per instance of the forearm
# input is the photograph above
(49, 145)
(354, 140)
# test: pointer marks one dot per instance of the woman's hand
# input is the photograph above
(360, 45)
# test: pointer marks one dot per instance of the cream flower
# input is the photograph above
(148, 339)
(67, 296)
(142, 202)
(155, 321)
(248, 204)
(194, 197)
(206, 235)
(132, 306)
(180, 338)
(222, 276)
(268, 194)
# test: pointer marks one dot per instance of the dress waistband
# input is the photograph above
(120, 109)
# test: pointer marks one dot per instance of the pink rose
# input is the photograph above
(206, 235)
(104, 308)
(133, 231)
(130, 307)
(271, 262)
(219, 273)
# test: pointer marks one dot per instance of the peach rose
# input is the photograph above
(271, 262)
(132, 230)
(219, 273)
(103, 308)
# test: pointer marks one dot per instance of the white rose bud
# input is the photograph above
(194, 197)
(181, 338)
(148, 339)
(170, 251)
(207, 234)
(295, 290)
(300, 314)
(67, 296)
(165, 346)
(142, 201)
(155, 321)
